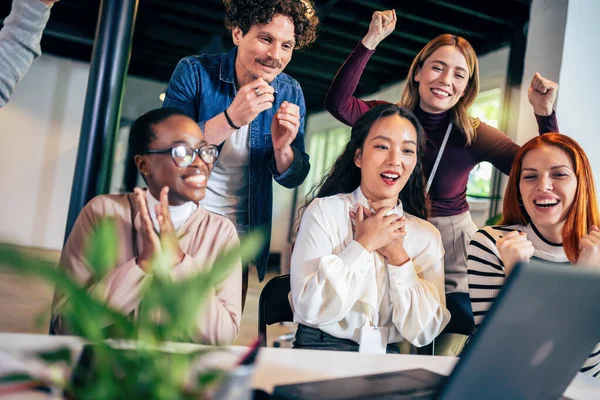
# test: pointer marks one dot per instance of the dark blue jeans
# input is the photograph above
(316, 339)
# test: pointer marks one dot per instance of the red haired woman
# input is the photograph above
(550, 213)
(442, 83)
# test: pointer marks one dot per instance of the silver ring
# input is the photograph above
(258, 92)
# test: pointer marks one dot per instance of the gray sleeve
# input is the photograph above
(20, 42)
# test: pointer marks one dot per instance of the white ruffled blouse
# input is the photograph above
(336, 283)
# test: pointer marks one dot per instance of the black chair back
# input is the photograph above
(273, 305)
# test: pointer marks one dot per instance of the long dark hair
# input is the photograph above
(344, 175)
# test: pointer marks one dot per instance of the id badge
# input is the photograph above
(373, 340)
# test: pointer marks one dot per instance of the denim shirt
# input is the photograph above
(203, 87)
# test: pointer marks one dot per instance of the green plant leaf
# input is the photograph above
(84, 306)
(56, 355)
(251, 245)
(209, 377)
(14, 378)
(169, 310)
(495, 220)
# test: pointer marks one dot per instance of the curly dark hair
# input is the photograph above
(245, 13)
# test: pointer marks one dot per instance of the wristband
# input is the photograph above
(229, 121)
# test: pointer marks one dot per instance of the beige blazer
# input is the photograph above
(202, 238)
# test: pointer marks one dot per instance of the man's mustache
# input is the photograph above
(269, 62)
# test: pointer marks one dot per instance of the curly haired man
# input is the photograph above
(253, 111)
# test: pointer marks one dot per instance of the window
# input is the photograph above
(487, 109)
(324, 148)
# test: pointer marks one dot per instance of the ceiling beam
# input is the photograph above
(422, 20)
(188, 10)
(308, 83)
(308, 72)
(314, 101)
(190, 26)
(191, 42)
(317, 54)
(67, 34)
(324, 77)
(356, 38)
(326, 10)
(336, 61)
(167, 65)
(143, 71)
(340, 48)
(60, 30)
(471, 12)
(349, 18)
(318, 92)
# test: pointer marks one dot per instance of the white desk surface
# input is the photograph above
(276, 366)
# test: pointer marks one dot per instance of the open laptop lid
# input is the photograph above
(536, 336)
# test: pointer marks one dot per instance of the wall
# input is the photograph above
(40, 129)
(562, 44)
(545, 39)
(578, 101)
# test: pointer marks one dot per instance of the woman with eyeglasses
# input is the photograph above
(175, 162)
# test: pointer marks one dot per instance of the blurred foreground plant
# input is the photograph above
(168, 312)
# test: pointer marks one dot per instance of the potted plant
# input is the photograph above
(167, 312)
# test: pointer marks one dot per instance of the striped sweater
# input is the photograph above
(485, 272)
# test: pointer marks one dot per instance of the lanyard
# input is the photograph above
(439, 157)
(380, 295)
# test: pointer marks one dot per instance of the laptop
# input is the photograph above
(535, 338)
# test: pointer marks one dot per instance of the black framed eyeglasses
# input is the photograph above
(184, 155)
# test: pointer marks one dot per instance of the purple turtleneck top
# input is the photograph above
(448, 190)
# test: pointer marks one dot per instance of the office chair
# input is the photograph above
(273, 305)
